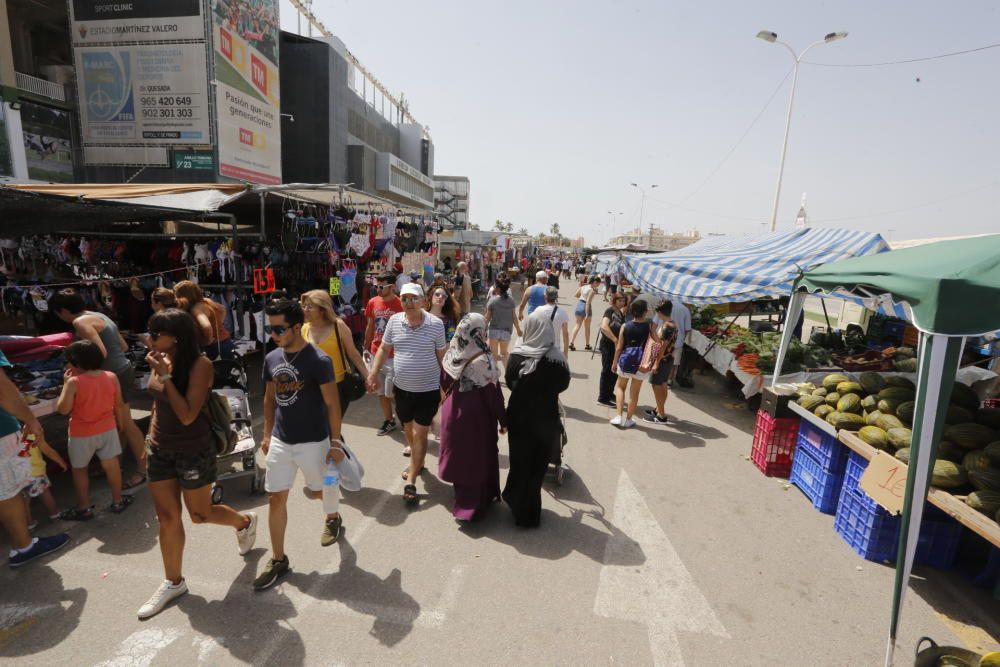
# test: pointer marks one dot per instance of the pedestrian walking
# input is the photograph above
(681, 316)
(536, 374)
(378, 310)
(331, 334)
(417, 340)
(444, 307)
(628, 356)
(500, 320)
(611, 324)
(662, 368)
(463, 288)
(472, 411)
(558, 316)
(209, 316)
(301, 430)
(584, 311)
(93, 400)
(16, 474)
(534, 296)
(181, 462)
(102, 331)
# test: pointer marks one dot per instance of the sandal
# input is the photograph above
(131, 485)
(572, 347)
(407, 451)
(120, 507)
(410, 494)
(406, 472)
(77, 514)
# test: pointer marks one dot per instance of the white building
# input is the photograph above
(656, 239)
(451, 200)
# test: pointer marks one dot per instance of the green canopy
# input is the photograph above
(951, 287)
(952, 290)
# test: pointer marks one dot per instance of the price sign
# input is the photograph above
(334, 286)
(884, 481)
(263, 281)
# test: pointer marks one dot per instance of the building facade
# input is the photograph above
(351, 133)
(655, 238)
(451, 200)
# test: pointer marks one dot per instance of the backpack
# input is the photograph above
(220, 419)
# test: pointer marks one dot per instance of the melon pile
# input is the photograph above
(881, 410)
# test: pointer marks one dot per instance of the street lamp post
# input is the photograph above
(642, 202)
(614, 216)
(772, 37)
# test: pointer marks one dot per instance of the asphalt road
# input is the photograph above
(664, 546)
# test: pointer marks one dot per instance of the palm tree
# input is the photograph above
(498, 226)
(554, 230)
(523, 231)
(474, 227)
(509, 227)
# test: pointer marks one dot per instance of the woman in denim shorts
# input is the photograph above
(501, 319)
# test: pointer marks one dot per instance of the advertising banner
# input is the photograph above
(245, 34)
(105, 21)
(150, 94)
(47, 143)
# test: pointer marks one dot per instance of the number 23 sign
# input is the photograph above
(263, 281)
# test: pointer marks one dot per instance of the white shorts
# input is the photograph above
(678, 352)
(284, 460)
(15, 470)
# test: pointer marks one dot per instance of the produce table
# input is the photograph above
(955, 508)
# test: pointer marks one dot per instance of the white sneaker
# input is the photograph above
(162, 597)
(629, 423)
(617, 421)
(247, 536)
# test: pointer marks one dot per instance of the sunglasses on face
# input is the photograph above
(384, 285)
(154, 335)
(409, 298)
(277, 330)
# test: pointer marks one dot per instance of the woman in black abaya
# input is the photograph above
(536, 374)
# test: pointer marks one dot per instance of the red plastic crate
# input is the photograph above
(991, 403)
(774, 444)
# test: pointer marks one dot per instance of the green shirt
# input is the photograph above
(8, 424)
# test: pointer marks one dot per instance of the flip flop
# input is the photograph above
(131, 485)
(406, 472)
(410, 494)
(406, 451)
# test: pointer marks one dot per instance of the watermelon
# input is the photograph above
(902, 394)
(900, 381)
(905, 412)
(871, 381)
(949, 451)
(963, 395)
(970, 436)
(976, 461)
(988, 417)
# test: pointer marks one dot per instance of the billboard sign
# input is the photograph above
(245, 37)
(143, 94)
(47, 143)
(104, 21)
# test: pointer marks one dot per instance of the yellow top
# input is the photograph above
(37, 462)
(331, 349)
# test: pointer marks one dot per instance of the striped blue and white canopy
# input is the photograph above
(744, 267)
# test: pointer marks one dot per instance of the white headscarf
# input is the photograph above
(468, 342)
(538, 341)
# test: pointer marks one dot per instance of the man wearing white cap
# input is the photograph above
(534, 296)
(416, 339)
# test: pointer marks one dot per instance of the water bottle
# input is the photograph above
(332, 476)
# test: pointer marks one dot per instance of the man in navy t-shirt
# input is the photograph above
(300, 387)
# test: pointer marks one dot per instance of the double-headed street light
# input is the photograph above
(614, 216)
(642, 203)
(772, 37)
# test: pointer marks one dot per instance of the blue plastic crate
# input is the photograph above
(873, 533)
(825, 448)
(938, 543)
(821, 486)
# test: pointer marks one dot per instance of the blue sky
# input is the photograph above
(553, 108)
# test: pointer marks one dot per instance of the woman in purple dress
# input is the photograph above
(471, 413)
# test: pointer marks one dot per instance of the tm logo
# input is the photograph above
(258, 73)
(246, 136)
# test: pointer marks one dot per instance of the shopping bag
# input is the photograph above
(350, 468)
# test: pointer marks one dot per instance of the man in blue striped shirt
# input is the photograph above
(416, 339)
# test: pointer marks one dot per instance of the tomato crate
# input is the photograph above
(820, 485)
(774, 444)
(825, 448)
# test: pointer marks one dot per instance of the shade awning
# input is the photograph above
(951, 287)
(745, 267)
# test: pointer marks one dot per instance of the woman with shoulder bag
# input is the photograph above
(629, 353)
(471, 413)
(332, 335)
(181, 449)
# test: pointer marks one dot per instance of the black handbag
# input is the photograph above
(354, 384)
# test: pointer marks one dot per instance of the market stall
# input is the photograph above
(949, 291)
(733, 275)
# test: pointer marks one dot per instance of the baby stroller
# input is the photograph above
(557, 461)
(231, 382)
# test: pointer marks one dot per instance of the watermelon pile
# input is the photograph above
(881, 410)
